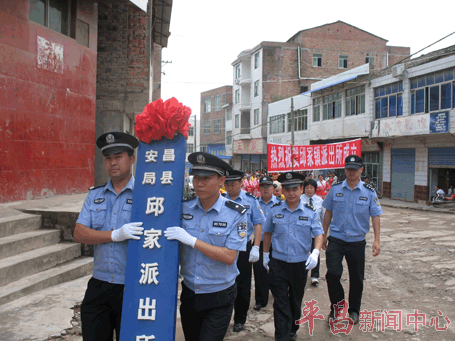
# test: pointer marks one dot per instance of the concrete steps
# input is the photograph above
(27, 241)
(32, 259)
(19, 223)
(44, 279)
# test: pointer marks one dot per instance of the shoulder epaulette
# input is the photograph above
(276, 204)
(337, 183)
(310, 207)
(370, 187)
(189, 198)
(251, 195)
(236, 206)
(223, 194)
(95, 187)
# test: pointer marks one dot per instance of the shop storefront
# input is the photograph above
(441, 163)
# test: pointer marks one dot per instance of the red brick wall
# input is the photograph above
(333, 40)
(386, 189)
(47, 108)
(280, 72)
(226, 93)
(420, 193)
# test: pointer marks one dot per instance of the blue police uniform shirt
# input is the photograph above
(292, 231)
(351, 211)
(220, 226)
(266, 208)
(105, 210)
(254, 212)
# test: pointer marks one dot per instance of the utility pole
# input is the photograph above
(292, 133)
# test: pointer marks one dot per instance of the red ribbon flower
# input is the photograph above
(162, 119)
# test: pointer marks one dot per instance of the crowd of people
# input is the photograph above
(278, 235)
(250, 182)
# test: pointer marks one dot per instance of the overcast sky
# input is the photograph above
(207, 35)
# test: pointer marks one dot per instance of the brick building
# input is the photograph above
(70, 71)
(215, 104)
(273, 71)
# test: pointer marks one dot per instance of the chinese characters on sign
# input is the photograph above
(370, 320)
(439, 122)
(150, 297)
(283, 158)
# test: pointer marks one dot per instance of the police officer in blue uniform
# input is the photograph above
(349, 206)
(212, 234)
(290, 225)
(105, 223)
(255, 219)
(266, 201)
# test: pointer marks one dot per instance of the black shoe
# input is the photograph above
(354, 317)
(238, 327)
(331, 316)
(293, 337)
(258, 306)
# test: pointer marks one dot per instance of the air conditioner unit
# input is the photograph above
(397, 70)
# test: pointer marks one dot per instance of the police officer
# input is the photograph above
(212, 234)
(309, 197)
(349, 206)
(266, 201)
(105, 222)
(290, 225)
(255, 219)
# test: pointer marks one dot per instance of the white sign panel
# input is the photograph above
(49, 55)
(400, 126)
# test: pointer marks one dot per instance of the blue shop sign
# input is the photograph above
(218, 150)
(439, 122)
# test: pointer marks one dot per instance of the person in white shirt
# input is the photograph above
(309, 197)
(439, 192)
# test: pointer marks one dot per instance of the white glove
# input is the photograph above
(254, 254)
(177, 233)
(266, 260)
(312, 261)
(127, 231)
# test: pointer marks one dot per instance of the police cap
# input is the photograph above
(116, 142)
(206, 164)
(235, 175)
(265, 180)
(291, 179)
(353, 161)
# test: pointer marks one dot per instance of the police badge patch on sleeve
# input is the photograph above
(241, 229)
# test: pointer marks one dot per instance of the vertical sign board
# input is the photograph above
(439, 122)
(150, 298)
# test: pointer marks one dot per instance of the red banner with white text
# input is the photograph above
(281, 158)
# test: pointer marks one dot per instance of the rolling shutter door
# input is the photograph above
(403, 174)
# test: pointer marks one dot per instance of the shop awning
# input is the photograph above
(340, 78)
